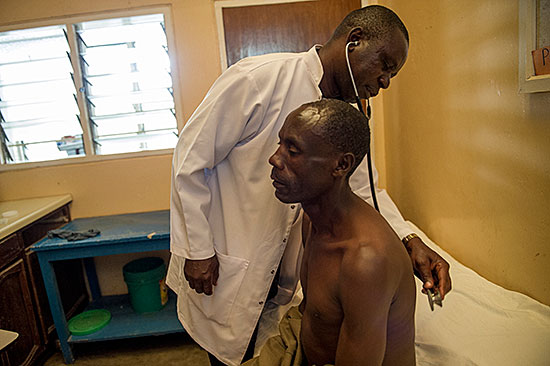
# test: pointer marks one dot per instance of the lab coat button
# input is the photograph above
(284, 240)
(293, 207)
(272, 271)
(261, 303)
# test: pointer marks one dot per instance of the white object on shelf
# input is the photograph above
(6, 337)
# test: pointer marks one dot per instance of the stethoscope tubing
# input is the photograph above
(367, 115)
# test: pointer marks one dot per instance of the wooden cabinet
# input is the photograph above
(17, 314)
(10, 248)
(24, 305)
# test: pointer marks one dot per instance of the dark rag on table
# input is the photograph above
(71, 235)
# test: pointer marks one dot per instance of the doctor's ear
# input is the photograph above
(355, 37)
(345, 164)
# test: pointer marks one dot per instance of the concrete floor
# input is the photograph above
(177, 349)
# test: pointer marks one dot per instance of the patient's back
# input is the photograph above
(359, 294)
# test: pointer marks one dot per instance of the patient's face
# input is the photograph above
(303, 162)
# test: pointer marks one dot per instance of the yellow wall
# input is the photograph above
(467, 156)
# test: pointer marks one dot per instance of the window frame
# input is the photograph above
(69, 22)
(528, 81)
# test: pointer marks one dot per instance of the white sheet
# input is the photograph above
(480, 323)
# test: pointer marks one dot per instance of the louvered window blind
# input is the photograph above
(88, 88)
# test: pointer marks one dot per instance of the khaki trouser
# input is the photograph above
(284, 349)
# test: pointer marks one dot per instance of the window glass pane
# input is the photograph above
(124, 82)
(150, 141)
(130, 102)
(136, 122)
(33, 44)
(128, 83)
(37, 96)
(39, 90)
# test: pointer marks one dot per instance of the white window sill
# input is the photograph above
(84, 159)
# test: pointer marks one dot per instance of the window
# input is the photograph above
(95, 87)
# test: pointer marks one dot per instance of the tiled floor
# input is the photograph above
(168, 350)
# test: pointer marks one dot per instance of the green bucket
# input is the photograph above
(145, 278)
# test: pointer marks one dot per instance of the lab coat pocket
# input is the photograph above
(218, 306)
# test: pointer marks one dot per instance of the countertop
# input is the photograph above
(28, 211)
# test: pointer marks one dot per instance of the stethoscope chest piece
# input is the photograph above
(434, 298)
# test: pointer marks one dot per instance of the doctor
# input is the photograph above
(232, 241)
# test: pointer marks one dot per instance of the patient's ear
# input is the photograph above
(345, 163)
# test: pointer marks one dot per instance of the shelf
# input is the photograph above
(125, 323)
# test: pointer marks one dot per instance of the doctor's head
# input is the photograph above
(377, 43)
(320, 146)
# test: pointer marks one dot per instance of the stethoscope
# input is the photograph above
(368, 114)
(433, 297)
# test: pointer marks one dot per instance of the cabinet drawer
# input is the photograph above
(10, 248)
(39, 229)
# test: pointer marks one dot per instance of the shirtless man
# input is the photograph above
(357, 279)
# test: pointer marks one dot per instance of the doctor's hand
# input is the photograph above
(429, 267)
(202, 274)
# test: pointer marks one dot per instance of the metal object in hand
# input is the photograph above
(434, 298)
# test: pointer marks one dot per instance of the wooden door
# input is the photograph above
(287, 27)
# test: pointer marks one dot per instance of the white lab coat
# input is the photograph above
(223, 202)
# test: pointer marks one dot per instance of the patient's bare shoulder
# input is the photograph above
(366, 268)
(374, 262)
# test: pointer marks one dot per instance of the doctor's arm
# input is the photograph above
(217, 125)
(429, 266)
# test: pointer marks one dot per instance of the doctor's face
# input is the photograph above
(303, 163)
(373, 63)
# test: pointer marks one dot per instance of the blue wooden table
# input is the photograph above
(129, 233)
